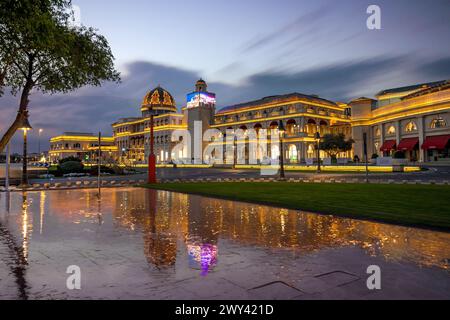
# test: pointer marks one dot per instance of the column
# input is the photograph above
(381, 126)
(421, 131)
(397, 132)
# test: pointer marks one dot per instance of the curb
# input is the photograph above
(89, 184)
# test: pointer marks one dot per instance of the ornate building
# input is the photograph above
(81, 145)
(132, 135)
(413, 119)
(302, 116)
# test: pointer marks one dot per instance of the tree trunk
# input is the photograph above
(21, 115)
(2, 82)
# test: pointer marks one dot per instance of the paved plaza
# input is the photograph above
(145, 244)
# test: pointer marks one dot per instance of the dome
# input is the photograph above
(201, 81)
(159, 99)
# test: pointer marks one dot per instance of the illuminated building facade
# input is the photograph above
(132, 135)
(81, 145)
(413, 119)
(302, 116)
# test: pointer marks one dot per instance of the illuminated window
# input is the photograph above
(411, 126)
(438, 123)
(391, 130)
(293, 152)
(377, 132)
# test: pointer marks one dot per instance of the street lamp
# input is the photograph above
(39, 144)
(317, 137)
(151, 156)
(25, 126)
(281, 131)
(234, 149)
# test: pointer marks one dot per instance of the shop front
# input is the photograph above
(437, 148)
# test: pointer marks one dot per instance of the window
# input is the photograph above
(293, 152)
(377, 132)
(411, 126)
(391, 130)
(438, 123)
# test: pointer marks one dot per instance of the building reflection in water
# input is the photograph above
(191, 228)
(201, 222)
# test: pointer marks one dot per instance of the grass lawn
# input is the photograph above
(416, 205)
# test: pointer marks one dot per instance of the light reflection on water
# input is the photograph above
(171, 223)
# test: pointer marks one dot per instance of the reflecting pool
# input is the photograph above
(138, 243)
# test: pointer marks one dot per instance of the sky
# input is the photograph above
(245, 49)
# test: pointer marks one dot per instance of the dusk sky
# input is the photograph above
(246, 49)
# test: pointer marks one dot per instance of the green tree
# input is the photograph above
(333, 144)
(40, 50)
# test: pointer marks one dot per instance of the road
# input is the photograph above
(437, 174)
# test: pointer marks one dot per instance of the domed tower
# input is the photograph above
(201, 86)
(159, 100)
(199, 116)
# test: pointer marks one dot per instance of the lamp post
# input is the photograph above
(317, 137)
(25, 126)
(39, 144)
(281, 131)
(234, 150)
(151, 156)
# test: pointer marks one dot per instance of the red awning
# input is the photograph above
(408, 144)
(436, 142)
(388, 145)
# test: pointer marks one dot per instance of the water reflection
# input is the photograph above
(201, 222)
(176, 227)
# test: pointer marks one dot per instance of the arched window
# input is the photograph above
(292, 152)
(377, 132)
(311, 126)
(257, 127)
(438, 123)
(323, 127)
(290, 126)
(275, 152)
(310, 151)
(391, 130)
(411, 126)
(273, 125)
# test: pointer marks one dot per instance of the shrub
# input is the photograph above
(117, 170)
(399, 155)
(69, 159)
(55, 170)
(71, 167)
(374, 156)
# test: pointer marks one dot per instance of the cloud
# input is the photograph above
(438, 69)
(91, 109)
(302, 26)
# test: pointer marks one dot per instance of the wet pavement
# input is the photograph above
(145, 244)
